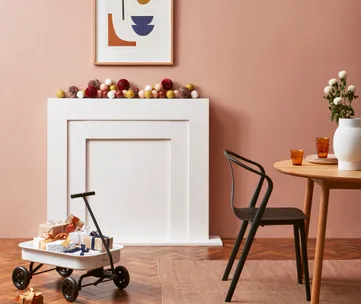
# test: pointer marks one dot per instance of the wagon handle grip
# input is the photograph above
(82, 194)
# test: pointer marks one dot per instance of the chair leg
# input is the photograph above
(305, 261)
(241, 262)
(235, 249)
(298, 253)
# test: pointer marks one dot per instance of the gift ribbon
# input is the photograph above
(61, 236)
(95, 235)
(29, 296)
(82, 248)
(73, 223)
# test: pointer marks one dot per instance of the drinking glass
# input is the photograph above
(322, 146)
(296, 157)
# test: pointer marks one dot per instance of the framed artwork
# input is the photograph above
(133, 32)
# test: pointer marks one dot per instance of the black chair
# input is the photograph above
(263, 216)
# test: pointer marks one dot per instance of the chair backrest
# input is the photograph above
(245, 163)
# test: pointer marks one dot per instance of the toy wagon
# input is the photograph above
(66, 263)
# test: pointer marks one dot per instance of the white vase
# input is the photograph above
(347, 144)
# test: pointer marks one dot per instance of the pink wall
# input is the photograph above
(263, 64)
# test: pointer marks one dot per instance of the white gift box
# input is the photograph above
(77, 236)
(36, 242)
(57, 246)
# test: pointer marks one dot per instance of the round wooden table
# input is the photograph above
(327, 177)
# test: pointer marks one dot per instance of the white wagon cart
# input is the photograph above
(66, 263)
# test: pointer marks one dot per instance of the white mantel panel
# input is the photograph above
(131, 207)
(108, 133)
(175, 132)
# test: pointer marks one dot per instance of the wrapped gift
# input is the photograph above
(58, 246)
(30, 297)
(94, 242)
(78, 236)
(37, 242)
(58, 243)
(52, 227)
(73, 224)
(82, 251)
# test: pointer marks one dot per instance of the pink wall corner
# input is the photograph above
(263, 66)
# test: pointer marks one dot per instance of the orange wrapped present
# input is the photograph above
(73, 223)
(30, 297)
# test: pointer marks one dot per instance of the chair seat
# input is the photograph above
(272, 215)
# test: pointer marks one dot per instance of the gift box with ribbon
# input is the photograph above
(78, 236)
(73, 223)
(58, 243)
(94, 242)
(30, 297)
(52, 227)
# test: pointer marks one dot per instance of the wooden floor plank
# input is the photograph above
(142, 264)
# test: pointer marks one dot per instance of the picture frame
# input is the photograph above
(133, 32)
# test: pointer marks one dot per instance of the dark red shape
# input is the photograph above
(91, 92)
(167, 84)
(123, 84)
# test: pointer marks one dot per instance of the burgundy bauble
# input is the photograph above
(167, 84)
(119, 94)
(162, 94)
(123, 84)
(91, 92)
(184, 92)
(94, 83)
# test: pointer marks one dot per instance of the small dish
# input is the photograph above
(330, 160)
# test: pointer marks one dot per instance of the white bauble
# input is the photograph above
(194, 94)
(80, 94)
(111, 94)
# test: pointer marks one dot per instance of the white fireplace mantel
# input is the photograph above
(146, 159)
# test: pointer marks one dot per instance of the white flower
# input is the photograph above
(337, 100)
(328, 90)
(342, 74)
(352, 88)
(332, 81)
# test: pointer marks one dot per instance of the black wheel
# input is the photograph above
(64, 272)
(21, 277)
(123, 278)
(70, 289)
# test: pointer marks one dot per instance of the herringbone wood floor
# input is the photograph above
(141, 262)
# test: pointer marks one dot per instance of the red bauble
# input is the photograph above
(162, 94)
(104, 94)
(119, 94)
(167, 84)
(91, 92)
(123, 84)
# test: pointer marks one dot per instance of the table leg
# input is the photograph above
(307, 206)
(320, 244)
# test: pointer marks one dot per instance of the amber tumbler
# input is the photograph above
(296, 157)
(322, 146)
